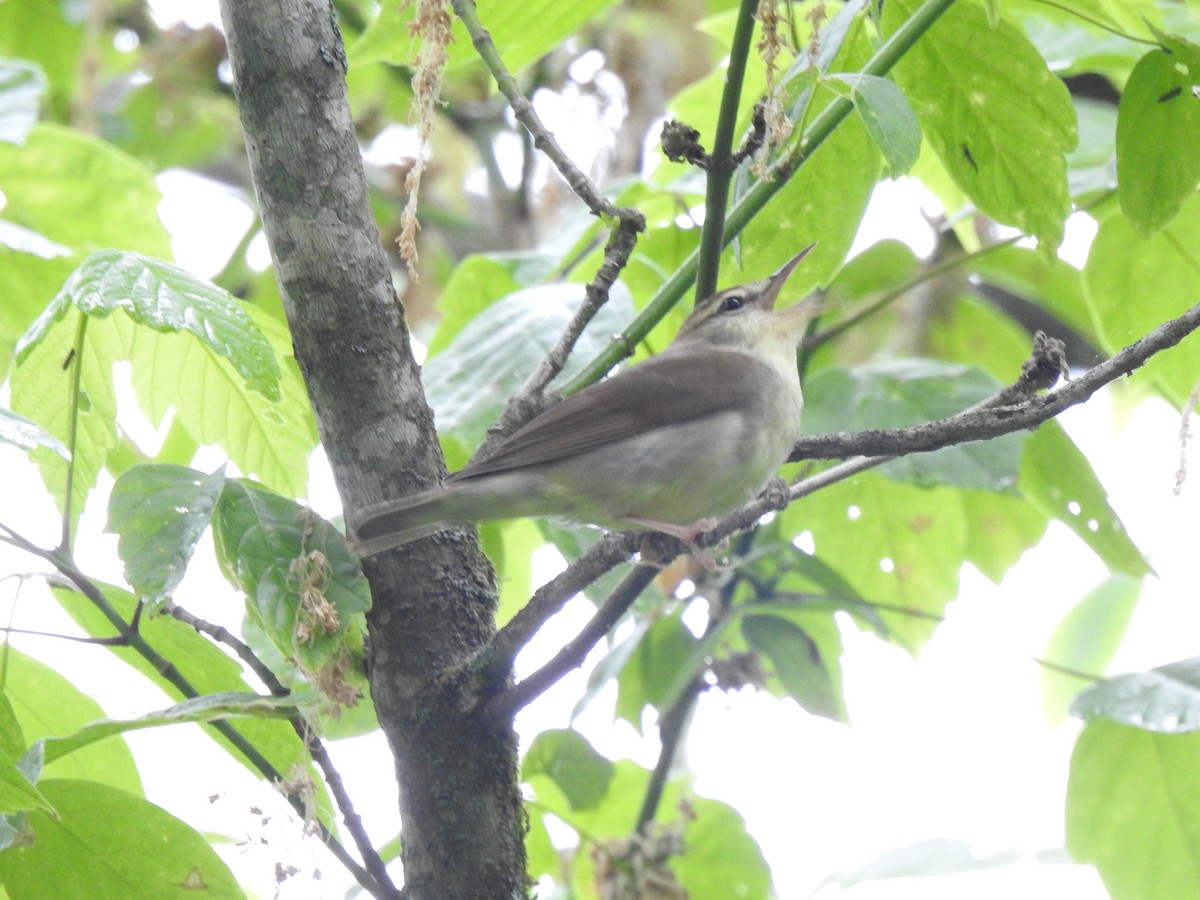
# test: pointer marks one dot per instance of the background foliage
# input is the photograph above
(1009, 115)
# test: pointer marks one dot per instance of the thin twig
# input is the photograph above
(333, 778)
(671, 728)
(629, 223)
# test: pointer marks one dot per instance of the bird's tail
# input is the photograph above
(383, 526)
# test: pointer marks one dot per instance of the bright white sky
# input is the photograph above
(954, 744)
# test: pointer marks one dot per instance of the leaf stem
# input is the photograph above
(64, 544)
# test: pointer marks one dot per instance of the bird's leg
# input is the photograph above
(685, 533)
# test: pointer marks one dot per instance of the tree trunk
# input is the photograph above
(460, 804)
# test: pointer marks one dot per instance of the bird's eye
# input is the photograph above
(733, 302)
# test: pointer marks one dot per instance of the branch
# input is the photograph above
(76, 580)
(571, 656)
(630, 222)
(495, 662)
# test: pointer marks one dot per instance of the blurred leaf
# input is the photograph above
(45, 704)
(522, 33)
(659, 657)
(1129, 811)
(80, 853)
(17, 794)
(160, 512)
(1165, 699)
(1158, 123)
(470, 381)
(209, 708)
(1092, 166)
(21, 87)
(935, 856)
(798, 663)
(303, 587)
(898, 393)
(1134, 284)
(888, 118)
(206, 667)
(720, 860)
(1058, 479)
(999, 119)
(1000, 528)
(1086, 640)
(477, 282)
(567, 759)
(21, 432)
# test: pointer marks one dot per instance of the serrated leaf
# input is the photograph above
(1129, 809)
(1000, 121)
(899, 393)
(270, 440)
(1085, 641)
(888, 118)
(208, 708)
(28, 435)
(21, 87)
(1165, 699)
(567, 759)
(470, 381)
(1158, 126)
(303, 587)
(797, 662)
(80, 853)
(160, 512)
(166, 298)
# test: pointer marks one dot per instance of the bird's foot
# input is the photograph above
(687, 534)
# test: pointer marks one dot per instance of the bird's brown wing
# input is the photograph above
(663, 391)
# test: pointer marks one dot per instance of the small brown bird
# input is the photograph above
(665, 445)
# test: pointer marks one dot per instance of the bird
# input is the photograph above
(666, 445)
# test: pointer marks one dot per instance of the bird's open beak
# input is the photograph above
(776, 282)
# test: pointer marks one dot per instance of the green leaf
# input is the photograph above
(571, 763)
(898, 393)
(1158, 126)
(888, 118)
(45, 703)
(81, 853)
(16, 792)
(477, 282)
(916, 539)
(1135, 284)
(270, 440)
(1000, 121)
(720, 860)
(209, 708)
(660, 657)
(470, 381)
(27, 434)
(165, 298)
(160, 512)
(1058, 479)
(1165, 699)
(82, 192)
(206, 667)
(523, 33)
(797, 661)
(303, 586)
(1129, 810)
(1086, 640)
(21, 87)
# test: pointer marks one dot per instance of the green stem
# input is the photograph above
(720, 166)
(73, 427)
(756, 198)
